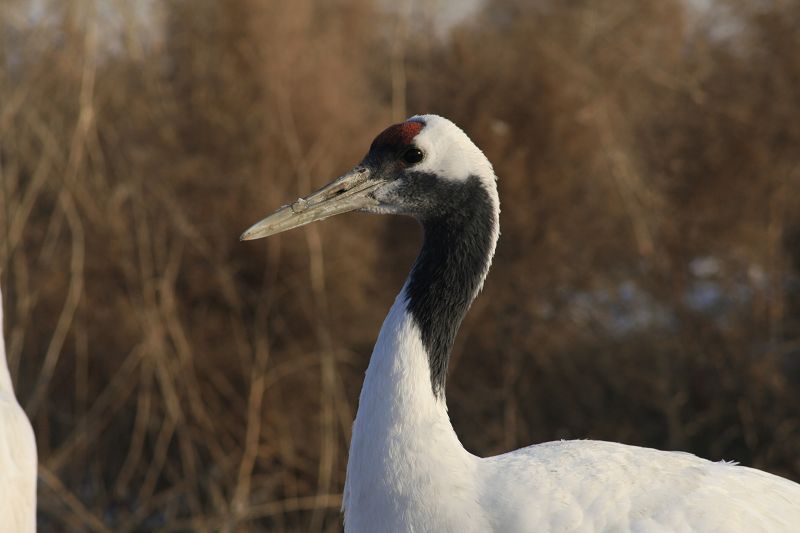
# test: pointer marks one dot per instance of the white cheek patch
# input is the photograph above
(387, 195)
(449, 153)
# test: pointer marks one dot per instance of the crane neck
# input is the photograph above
(404, 452)
(457, 250)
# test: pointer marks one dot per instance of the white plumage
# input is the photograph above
(17, 456)
(407, 470)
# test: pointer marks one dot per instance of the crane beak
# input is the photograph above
(347, 193)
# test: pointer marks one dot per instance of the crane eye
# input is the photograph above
(412, 156)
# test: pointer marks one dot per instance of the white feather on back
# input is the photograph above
(604, 486)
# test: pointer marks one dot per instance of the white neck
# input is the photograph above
(404, 453)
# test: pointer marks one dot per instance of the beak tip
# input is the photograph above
(248, 235)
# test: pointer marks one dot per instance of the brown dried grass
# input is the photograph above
(180, 380)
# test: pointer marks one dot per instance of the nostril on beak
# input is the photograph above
(299, 206)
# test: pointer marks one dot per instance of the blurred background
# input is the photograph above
(646, 287)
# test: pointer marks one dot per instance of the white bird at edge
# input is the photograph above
(407, 470)
(17, 455)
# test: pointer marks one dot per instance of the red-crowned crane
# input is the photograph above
(407, 470)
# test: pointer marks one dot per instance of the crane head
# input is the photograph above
(416, 168)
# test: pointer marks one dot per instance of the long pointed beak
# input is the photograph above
(347, 193)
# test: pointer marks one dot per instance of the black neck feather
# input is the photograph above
(457, 247)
